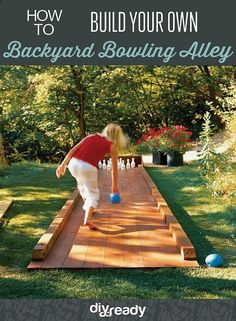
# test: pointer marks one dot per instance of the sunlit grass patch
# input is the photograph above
(202, 216)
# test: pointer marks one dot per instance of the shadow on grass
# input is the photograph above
(38, 196)
(135, 283)
(45, 184)
(22, 227)
(174, 185)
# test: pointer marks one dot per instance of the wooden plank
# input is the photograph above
(4, 206)
(148, 179)
(59, 251)
(131, 234)
(182, 241)
(114, 251)
(77, 253)
(133, 256)
(35, 265)
(95, 254)
(48, 239)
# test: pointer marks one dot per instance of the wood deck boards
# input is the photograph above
(131, 234)
(4, 206)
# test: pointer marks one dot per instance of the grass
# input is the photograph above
(209, 222)
(38, 196)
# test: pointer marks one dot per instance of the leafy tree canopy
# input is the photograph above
(44, 110)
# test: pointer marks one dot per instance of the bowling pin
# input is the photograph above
(123, 165)
(128, 164)
(100, 164)
(109, 165)
(104, 166)
(119, 163)
(133, 163)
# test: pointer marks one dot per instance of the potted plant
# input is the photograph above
(174, 141)
(149, 142)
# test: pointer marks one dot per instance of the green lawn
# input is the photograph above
(38, 196)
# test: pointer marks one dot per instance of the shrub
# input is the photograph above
(168, 139)
(216, 168)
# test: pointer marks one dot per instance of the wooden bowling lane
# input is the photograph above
(131, 234)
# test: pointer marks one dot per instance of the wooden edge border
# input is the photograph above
(183, 243)
(47, 240)
(4, 206)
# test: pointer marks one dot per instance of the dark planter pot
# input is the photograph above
(159, 158)
(175, 159)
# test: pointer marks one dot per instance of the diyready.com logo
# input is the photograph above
(106, 310)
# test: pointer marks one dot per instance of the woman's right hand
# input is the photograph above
(60, 171)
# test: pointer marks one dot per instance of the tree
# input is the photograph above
(45, 110)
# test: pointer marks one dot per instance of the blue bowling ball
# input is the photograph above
(214, 260)
(115, 198)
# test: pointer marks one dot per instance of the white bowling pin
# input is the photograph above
(123, 165)
(109, 166)
(128, 164)
(104, 166)
(100, 164)
(133, 163)
(119, 163)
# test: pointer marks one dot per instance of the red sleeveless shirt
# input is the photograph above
(92, 149)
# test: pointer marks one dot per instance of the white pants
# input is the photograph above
(86, 176)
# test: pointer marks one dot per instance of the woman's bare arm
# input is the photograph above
(69, 154)
(62, 167)
(114, 158)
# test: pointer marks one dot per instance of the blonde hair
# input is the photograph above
(115, 134)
